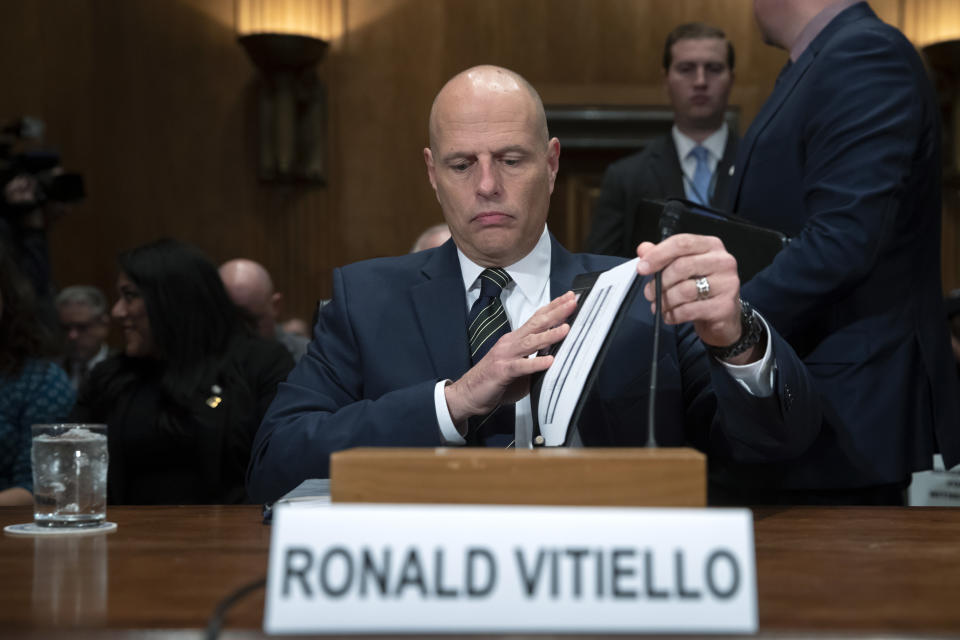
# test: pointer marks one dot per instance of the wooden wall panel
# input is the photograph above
(156, 103)
(929, 21)
(587, 52)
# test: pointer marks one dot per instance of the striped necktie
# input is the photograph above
(487, 323)
(488, 319)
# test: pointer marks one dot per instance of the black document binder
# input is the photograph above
(753, 246)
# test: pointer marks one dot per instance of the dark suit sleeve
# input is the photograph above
(324, 407)
(699, 403)
(607, 226)
(724, 419)
(864, 117)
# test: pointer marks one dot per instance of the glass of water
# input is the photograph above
(69, 475)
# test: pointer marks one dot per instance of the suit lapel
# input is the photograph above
(564, 267)
(667, 168)
(665, 179)
(786, 83)
(722, 188)
(440, 304)
(784, 87)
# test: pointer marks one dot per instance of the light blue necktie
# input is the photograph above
(701, 176)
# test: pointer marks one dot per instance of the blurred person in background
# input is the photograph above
(32, 390)
(251, 288)
(297, 327)
(86, 325)
(184, 399)
(35, 191)
(431, 237)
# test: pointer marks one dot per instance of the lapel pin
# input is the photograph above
(214, 400)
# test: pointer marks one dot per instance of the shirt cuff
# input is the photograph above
(756, 377)
(448, 430)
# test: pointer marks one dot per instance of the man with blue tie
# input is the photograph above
(845, 157)
(693, 161)
(437, 347)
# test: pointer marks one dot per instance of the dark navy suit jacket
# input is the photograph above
(844, 157)
(397, 326)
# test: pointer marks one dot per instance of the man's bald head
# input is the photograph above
(484, 81)
(491, 165)
(250, 287)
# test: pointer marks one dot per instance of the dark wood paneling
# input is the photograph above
(155, 102)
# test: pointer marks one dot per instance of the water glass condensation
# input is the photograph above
(69, 475)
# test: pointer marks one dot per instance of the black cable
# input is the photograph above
(215, 622)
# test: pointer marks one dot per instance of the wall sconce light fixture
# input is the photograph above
(292, 103)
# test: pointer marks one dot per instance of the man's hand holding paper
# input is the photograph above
(701, 286)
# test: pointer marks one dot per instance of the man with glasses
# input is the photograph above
(85, 323)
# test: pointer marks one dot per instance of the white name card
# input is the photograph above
(351, 568)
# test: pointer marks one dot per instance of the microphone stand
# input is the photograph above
(655, 358)
(669, 225)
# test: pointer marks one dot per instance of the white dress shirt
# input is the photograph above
(715, 143)
(528, 291)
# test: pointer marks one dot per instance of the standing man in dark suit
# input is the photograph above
(390, 363)
(844, 157)
(694, 161)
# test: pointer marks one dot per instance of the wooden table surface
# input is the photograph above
(833, 571)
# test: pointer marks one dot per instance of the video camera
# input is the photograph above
(45, 181)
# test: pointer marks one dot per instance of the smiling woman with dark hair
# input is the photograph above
(184, 400)
(31, 389)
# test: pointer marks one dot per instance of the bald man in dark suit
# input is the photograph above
(396, 362)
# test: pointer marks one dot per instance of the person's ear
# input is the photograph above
(553, 160)
(276, 303)
(431, 169)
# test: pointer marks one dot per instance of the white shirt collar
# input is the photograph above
(530, 274)
(99, 357)
(715, 143)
